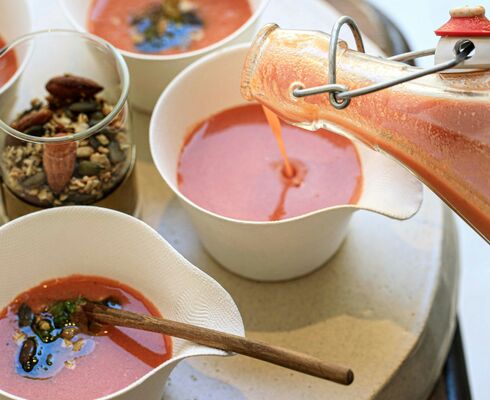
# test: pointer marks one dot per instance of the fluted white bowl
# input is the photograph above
(95, 241)
(265, 251)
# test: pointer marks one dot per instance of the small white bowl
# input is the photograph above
(15, 21)
(150, 74)
(95, 241)
(265, 251)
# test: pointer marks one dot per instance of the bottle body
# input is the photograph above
(437, 126)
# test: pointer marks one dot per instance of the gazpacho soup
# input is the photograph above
(50, 350)
(166, 26)
(8, 64)
(232, 165)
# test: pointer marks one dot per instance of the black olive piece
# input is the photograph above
(25, 315)
(69, 113)
(79, 198)
(94, 142)
(35, 180)
(35, 130)
(116, 155)
(27, 356)
(85, 107)
(88, 168)
(111, 133)
(191, 18)
(95, 118)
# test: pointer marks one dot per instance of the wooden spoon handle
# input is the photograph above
(224, 341)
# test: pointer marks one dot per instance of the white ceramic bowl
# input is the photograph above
(15, 21)
(266, 251)
(96, 241)
(150, 74)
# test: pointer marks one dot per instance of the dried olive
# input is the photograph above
(85, 107)
(25, 315)
(116, 155)
(96, 117)
(80, 198)
(69, 113)
(35, 180)
(191, 18)
(27, 356)
(94, 142)
(88, 168)
(35, 130)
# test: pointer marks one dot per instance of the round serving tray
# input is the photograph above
(384, 306)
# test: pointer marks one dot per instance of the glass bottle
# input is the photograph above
(65, 129)
(437, 126)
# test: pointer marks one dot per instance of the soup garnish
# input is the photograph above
(165, 26)
(168, 26)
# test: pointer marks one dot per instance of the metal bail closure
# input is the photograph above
(466, 24)
(334, 90)
(460, 51)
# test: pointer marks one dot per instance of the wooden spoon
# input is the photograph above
(224, 341)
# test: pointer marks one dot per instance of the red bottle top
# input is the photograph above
(466, 21)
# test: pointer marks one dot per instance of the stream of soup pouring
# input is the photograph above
(114, 361)
(230, 164)
(275, 124)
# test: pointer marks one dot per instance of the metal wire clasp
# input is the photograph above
(340, 96)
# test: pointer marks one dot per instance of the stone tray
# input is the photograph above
(384, 306)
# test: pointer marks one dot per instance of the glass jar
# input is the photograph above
(65, 129)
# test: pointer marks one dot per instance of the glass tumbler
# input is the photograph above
(65, 129)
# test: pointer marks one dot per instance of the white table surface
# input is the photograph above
(418, 19)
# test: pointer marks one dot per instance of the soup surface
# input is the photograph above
(8, 64)
(84, 366)
(139, 25)
(231, 164)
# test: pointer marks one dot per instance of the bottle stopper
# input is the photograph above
(466, 23)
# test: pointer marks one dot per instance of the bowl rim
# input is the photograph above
(180, 56)
(109, 213)
(28, 18)
(153, 137)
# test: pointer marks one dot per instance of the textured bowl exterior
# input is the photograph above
(272, 252)
(95, 241)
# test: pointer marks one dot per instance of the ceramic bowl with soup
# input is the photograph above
(54, 260)
(217, 154)
(157, 44)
